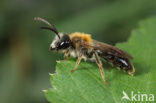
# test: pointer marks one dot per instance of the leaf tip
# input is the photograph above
(51, 74)
(44, 91)
(58, 61)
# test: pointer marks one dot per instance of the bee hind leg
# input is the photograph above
(99, 63)
(77, 63)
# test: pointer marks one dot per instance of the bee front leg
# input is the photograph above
(77, 62)
(99, 63)
(66, 55)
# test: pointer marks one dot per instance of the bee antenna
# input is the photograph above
(52, 27)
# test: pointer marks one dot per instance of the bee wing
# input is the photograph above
(106, 48)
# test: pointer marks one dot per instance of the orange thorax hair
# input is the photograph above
(81, 37)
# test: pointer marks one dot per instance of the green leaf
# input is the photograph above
(85, 85)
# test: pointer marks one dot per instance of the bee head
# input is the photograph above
(61, 41)
(60, 44)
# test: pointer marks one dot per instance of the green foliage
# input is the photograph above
(86, 85)
(25, 58)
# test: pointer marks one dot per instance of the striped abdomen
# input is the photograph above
(122, 62)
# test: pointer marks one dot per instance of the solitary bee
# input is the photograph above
(81, 45)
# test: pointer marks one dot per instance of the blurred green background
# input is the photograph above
(25, 58)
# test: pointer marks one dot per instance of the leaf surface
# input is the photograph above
(85, 85)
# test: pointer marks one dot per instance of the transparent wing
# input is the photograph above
(107, 49)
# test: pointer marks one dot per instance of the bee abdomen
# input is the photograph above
(121, 62)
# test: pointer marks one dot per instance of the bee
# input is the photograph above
(82, 46)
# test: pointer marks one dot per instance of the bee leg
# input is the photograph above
(66, 55)
(77, 63)
(98, 61)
